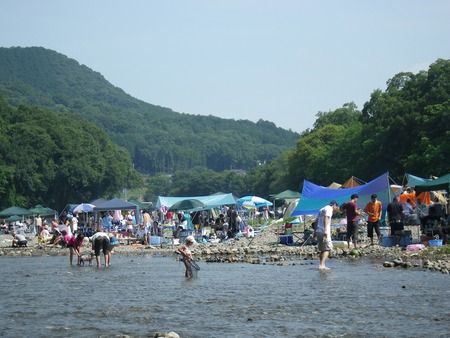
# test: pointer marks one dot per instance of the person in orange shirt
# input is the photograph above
(373, 209)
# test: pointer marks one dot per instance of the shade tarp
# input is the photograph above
(115, 204)
(210, 201)
(441, 183)
(416, 180)
(315, 197)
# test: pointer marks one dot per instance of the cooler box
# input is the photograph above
(405, 241)
(286, 239)
(387, 241)
(155, 240)
(385, 231)
(435, 242)
(184, 234)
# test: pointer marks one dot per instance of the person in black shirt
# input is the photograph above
(396, 218)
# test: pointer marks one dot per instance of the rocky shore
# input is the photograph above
(263, 249)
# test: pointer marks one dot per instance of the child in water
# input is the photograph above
(185, 251)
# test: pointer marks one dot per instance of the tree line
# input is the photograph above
(403, 129)
(54, 159)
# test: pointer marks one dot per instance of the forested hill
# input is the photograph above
(157, 138)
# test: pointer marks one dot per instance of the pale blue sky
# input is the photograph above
(281, 61)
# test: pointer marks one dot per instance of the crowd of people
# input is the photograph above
(404, 209)
(66, 233)
(433, 219)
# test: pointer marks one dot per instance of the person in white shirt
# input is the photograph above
(323, 232)
(74, 224)
(100, 241)
(37, 224)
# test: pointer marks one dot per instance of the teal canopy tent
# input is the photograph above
(441, 183)
(211, 201)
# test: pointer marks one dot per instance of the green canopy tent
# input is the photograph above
(288, 195)
(285, 195)
(43, 211)
(141, 206)
(11, 211)
(189, 204)
(14, 218)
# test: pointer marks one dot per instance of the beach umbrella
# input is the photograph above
(248, 205)
(187, 205)
(258, 201)
(11, 211)
(84, 207)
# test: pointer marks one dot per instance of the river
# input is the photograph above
(140, 295)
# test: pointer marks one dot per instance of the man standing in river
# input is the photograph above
(323, 232)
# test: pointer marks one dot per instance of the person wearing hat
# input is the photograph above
(185, 251)
(323, 232)
(57, 238)
(352, 212)
(44, 235)
(373, 209)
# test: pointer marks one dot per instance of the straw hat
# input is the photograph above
(190, 239)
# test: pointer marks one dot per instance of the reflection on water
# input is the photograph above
(44, 296)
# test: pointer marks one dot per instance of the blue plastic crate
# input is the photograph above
(435, 242)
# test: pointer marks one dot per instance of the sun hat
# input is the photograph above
(190, 239)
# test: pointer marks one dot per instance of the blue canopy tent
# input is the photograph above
(116, 204)
(314, 197)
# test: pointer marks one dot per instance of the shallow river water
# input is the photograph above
(140, 295)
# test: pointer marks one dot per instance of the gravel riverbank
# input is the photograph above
(263, 249)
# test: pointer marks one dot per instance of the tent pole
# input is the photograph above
(389, 188)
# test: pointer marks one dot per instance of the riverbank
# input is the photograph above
(263, 249)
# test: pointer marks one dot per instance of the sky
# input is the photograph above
(278, 60)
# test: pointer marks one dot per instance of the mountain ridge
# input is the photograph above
(157, 138)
